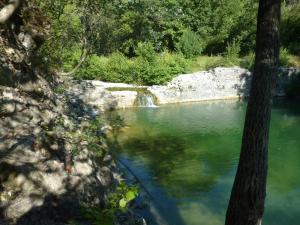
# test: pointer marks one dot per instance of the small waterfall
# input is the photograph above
(145, 100)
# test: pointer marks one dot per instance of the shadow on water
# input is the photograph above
(173, 173)
(168, 156)
(156, 211)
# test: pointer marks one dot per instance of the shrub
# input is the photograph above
(146, 50)
(284, 57)
(189, 44)
(118, 69)
(165, 67)
(248, 61)
(93, 68)
(232, 52)
(147, 68)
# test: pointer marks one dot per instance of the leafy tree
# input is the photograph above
(290, 26)
(189, 44)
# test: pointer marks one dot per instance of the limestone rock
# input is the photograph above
(215, 84)
(97, 94)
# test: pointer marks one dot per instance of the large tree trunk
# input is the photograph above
(246, 205)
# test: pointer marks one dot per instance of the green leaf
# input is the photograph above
(130, 195)
(122, 203)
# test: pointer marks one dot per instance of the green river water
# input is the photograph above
(186, 155)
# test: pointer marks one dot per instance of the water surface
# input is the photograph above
(186, 156)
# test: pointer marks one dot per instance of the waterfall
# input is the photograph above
(145, 100)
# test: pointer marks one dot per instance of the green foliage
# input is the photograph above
(96, 216)
(110, 26)
(120, 199)
(189, 44)
(248, 61)
(146, 51)
(284, 57)
(89, 136)
(287, 59)
(143, 42)
(232, 52)
(93, 68)
(290, 27)
(147, 68)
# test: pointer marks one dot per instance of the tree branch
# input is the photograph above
(84, 54)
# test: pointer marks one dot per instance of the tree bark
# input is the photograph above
(246, 205)
(8, 10)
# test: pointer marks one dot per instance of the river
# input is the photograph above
(186, 156)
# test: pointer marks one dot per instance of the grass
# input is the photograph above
(294, 61)
(201, 63)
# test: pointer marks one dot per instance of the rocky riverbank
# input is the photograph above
(55, 162)
(48, 171)
(215, 84)
(48, 163)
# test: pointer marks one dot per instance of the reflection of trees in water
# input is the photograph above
(284, 156)
(177, 166)
(161, 152)
(189, 157)
(196, 162)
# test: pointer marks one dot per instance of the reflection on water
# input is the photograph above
(186, 156)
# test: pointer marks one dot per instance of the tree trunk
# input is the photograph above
(246, 205)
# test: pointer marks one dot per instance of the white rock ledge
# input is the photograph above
(215, 84)
(218, 83)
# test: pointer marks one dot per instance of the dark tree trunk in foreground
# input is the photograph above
(246, 205)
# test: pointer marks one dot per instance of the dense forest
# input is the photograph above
(150, 41)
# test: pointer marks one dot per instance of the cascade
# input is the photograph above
(145, 100)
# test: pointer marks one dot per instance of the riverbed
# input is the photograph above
(186, 156)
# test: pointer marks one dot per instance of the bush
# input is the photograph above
(284, 57)
(147, 68)
(119, 69)
(164, 68)
(248, 61)
(93, 68)
(146, 50)
(189, 44)
(232, 52)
